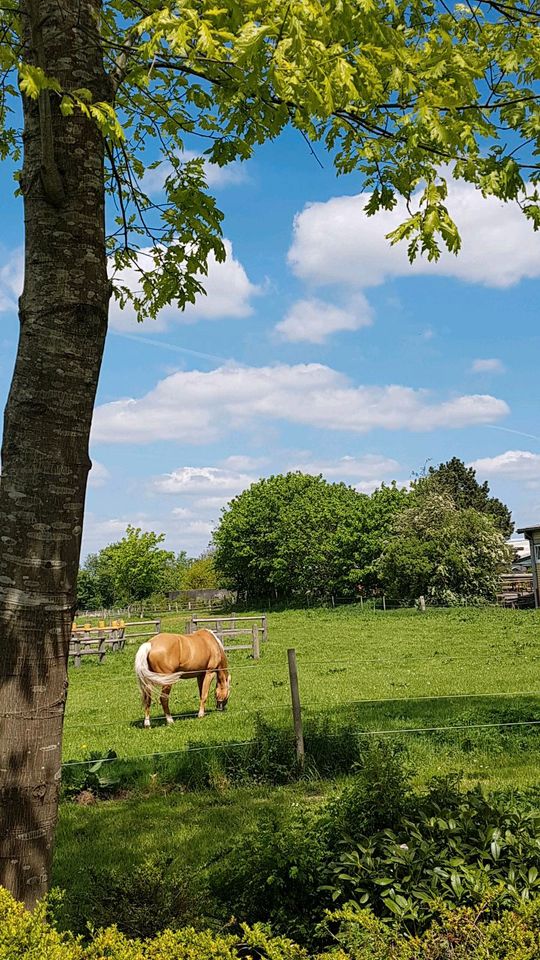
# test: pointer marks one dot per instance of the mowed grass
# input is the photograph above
(458, 668)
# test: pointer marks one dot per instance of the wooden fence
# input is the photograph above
(226, 627)
(156, 624)
(95, 641)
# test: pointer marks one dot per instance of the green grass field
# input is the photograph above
(484, 663)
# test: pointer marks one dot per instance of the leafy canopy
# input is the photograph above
(409, 93)
(295, 536)
(460, 483)
(133, 568)
(442, 552)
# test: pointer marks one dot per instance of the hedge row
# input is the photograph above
(460, 935)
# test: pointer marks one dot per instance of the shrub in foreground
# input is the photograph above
(463, 934)
(459, 935)
(379, 845)
(31, 936)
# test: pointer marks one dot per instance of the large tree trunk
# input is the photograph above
(45, 463)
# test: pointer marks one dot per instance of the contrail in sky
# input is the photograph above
(519, 433)
(170, 346)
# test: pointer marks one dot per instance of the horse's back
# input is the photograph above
(172, 652)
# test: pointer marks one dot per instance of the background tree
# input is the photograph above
(370, 535)
(131, 569)
(173, 573)
(406, 93)
(460, 483)
(298, 537)
(442, 552)
(200, 573)
(289, 537)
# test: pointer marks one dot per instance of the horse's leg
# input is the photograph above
(204, 689)
(147, 703)
(164, 701)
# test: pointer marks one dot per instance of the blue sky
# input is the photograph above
(319, 348)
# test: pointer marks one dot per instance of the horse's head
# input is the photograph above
(223, 686)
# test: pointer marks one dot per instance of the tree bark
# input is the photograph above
(45, 462)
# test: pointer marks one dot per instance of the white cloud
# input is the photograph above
(99, 531)
(198, 528)
(230, 175)
(11, 280)
(243, 462)
(183, 531)
(197, 407)
(489, 365)
(314, 320)
(214, 505)
(229, 292)
(519, 465)
(336, 242)
(181, 512)
(98, 475)
(201, 480)
(365, 473)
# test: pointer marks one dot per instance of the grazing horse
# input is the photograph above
(169, 657)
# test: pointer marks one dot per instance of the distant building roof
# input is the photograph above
(526, 530)
(521, 547)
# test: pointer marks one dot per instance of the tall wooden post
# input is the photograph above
(296, 708)
(255, 640)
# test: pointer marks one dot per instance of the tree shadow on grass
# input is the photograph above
(120, 835)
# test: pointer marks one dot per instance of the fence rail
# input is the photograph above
(95, 641)
(145, 633)
(257, 629)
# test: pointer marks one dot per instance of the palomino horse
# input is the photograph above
(169, 657)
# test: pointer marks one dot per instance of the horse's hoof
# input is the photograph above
(170, 721)
(146, 724)
(200, 716)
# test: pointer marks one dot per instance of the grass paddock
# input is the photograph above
(399, 670)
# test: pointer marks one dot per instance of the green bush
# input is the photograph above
(270, 757)
(450, 847)
(378, 844)
(377, 798)
(274, 874)
(464, 934)
(155, 895)
(31, 936)
(280, 872)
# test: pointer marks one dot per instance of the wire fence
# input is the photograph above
(225, 745)
(271, 671)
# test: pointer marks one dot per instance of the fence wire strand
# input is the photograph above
(449, 728)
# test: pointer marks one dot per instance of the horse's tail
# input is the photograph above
(146, 677)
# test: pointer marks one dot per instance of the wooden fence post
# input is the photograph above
(264, 628)
(256, 644)
(384, 602)
(422, 604)
(296, 708)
